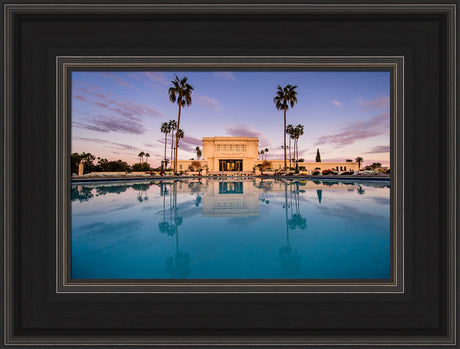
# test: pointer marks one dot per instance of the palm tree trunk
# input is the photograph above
(286, 212)
(290, 157)
(177, 140)
(285, 138)
(164, 162)
(172, 147)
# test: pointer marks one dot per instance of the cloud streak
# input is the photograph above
(379, 149)
(358, 130)
(207, 102)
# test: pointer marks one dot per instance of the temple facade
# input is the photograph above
(241, 154)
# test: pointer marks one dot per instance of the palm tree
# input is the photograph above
(180, 93)
(165, 129)
(172, 127)
(290, 131)
(141, 156)
(266, 151)
(147, 155)
(359, 160)
(285, 97)
(296, 133)
(262, 153)
(179, 135)
(198, 152)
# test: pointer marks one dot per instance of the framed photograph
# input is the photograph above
(220, 174)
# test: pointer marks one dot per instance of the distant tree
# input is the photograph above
(262, 153)
(196, 165)
(139, 167)
(266, 164)
(266, 151)
(141, 156)
(318, 156)
(180, 93)
(285, 97)
(87, 158)
(349, 160)
(147, 155)
(376, 165)
(359, 160)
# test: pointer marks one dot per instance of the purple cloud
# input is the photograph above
(358, 130)
(106, 124)
(376, 104)
(127, 109)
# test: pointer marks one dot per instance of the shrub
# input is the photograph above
(196, 165)
(315, 173)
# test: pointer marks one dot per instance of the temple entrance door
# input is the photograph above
(231, 165)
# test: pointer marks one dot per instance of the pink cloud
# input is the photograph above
(336, 103)
(80, 98)
(379, 103)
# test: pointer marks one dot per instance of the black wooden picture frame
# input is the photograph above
(37, 34)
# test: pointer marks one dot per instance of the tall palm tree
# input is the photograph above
(165, 129)
(359, 160)
(198, 152)
(285, 97)
(147, 155)
(172, 127)
(266, 151)
(180, 93)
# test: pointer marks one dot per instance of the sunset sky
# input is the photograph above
(116, 115)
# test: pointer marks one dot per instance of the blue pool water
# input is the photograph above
(225, 229)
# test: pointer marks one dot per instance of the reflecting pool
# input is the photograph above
(231, 229)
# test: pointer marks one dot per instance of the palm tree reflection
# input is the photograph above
(178, 266)
(288, 257)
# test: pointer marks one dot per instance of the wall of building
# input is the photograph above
(311, 166)
(246, 149)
